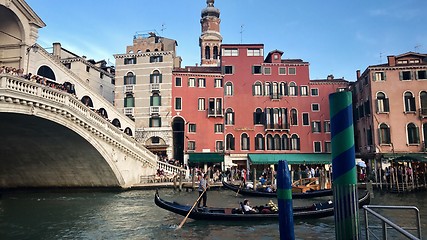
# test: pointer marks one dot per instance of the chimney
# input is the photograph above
(391, 61)
(330, 77)
(57, 50)
(357, 74)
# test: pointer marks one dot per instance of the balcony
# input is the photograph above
(215, 113)
(155, 87)
(423, 112)
(277, 127)
(128, 88)
(128, 111)
(154, 110)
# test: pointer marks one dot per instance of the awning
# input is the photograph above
(206, 157)
(408, 157)
(291, 158)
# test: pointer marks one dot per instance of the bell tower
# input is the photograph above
(210, 40)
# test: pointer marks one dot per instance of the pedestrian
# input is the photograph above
(203, 187)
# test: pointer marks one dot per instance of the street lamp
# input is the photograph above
(35, 48)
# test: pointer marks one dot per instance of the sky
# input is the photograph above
(336, 37)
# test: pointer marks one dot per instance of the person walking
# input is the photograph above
(203, 185)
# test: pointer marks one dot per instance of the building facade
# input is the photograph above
(390, 108)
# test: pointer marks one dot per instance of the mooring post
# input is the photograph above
(284, 200)
(344, 167)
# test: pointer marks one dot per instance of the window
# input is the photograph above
(254, 52)
(228, 89)
(129, 79)
(191, 82)
(256, 69)
(409, 102)
(304, 91)
(201, 104)
(202, 82)
(219, 146)
(155, 140)
(379, 76)
(244, 141)
(413, 135)
(384, 134)
(270, 142)
(155, 121)
(207, 52)
(218, 83)
(191, 145)
(293, 89)
(294, 117)
(405, 75)
(423, 102)
(292, 71)
(295, 142)
(314, 92)
(285, 142)
(87, 69)
(317, 147)
(228, 70)
(129, 101)
(178, 82)
(155, 100)
(283, 89)
(156, 59)
(219, 128)
(328, 147)
(305, 119)
(282, 71)
(275, 91)
(130, 61)
(192, 127)
(156, 77)
(215, 52)
(382, 103)
(267, 88)
(227, 52)
(267, 71)
(327, 126)
(259, 142)
(215, 107)
(258, 116)
(178, 103)
(421, 75)
(315, 107)
(316, 127)
(229, 142)
(277, 142)
(229, 117)
(257, 89)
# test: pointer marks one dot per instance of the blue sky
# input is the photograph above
(337, 37)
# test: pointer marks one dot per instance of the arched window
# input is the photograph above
(244, 141)
(228, 89)
(156, 77)
(47, 72)
(116, 123)
(270, 142)
(384, 134)
(207, 52)
(257, 89)
(275, 93)
(259, 142)
(277, 142)
(285, 142)
(293, 89)
(229, 117)
(409, 102)
(294, 117)
(382, 103)
(283, 89)
(413, 134)
(229, 142)
(129, 79)
(267, 89)
(156, 100)
(258, 116)
(103, 112)
(129, 101)
(295, 142)
(423, 102)
(128, 131)
(215, 52)
(87, 101)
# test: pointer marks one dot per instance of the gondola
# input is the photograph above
(251, 192)
(317, 210)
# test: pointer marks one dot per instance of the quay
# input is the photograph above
(170, 184)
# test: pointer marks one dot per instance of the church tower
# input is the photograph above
(210, 39)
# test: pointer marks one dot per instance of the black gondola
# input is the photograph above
(317, 210)
(251, 192)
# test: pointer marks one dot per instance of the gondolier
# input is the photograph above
(203, 186)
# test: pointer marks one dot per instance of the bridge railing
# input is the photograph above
(170, 168)
(20, 89)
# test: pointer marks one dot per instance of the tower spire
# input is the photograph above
(210, 40)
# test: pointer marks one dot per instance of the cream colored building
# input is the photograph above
(144, 89)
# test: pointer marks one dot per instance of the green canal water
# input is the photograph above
(89, 214)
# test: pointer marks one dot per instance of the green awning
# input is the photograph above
(291, 158)
(408, 157)
(206, 157)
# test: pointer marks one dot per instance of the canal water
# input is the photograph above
(89, 214)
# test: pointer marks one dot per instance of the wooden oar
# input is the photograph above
(240, 186)
(188, 214)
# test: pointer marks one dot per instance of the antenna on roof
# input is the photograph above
(417, 47)
(241, 33)
(163, 28)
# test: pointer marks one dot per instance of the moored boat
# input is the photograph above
(317, 210)
(295, 195)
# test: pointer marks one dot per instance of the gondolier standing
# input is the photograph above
(203, 185)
